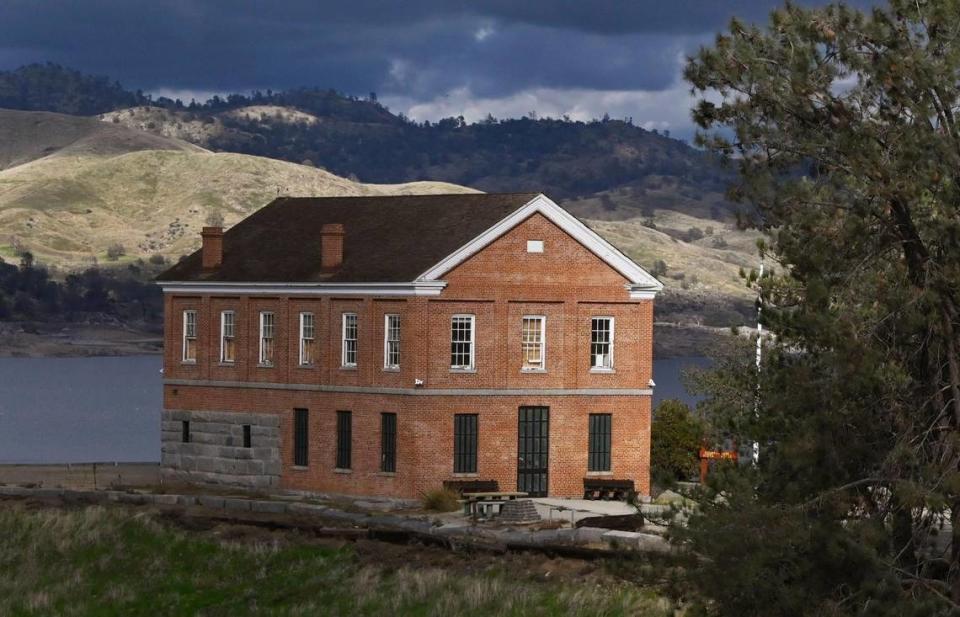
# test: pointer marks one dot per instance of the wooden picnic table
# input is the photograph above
(472, 502)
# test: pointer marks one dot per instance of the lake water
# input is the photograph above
(74, 410)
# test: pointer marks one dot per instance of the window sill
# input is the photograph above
(348, 367)
(533, 370)
(391, 369)
(188, 362)
(308, 366)
(598, 474)
(466, 475)
(263, 365)
(463, 370)
(339, 470)
(603, 371)
(222, 363)
(298, 468)
(387, 474)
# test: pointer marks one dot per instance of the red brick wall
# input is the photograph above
(425, 436)
(500, 284)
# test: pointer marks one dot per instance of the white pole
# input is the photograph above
(756, 403)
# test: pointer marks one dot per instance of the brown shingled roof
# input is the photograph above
(388, 239)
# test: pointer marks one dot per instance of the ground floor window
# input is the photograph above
(600, 437)
(465, 428)
(388, 442)
(246, 436)
(185, 431)
(344, 430)
(300, 441)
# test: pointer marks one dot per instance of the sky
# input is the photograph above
(428, 59)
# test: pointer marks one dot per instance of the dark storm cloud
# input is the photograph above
(417, 49)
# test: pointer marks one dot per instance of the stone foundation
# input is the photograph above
(215, 453)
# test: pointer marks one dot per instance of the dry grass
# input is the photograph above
(441, 500)
(99, 561)
(70, 210)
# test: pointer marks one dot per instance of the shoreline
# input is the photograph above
(77, 340)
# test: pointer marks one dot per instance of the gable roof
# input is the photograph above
(388, 239)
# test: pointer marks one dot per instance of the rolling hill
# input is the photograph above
(83, 186)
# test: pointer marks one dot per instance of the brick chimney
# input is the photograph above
(212, 250)
(331, 246)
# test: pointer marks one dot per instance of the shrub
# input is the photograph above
(441, 500)
(659, 268)
(157, 259)
(693, 234)
(115, 251)
(675, 439)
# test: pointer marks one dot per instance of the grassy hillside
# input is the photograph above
(67, 210)
(71, 188)
(27, 136)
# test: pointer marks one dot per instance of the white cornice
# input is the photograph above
(418, 288)
(640, 279)
(641, 293)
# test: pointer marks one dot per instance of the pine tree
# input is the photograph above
(844, 129)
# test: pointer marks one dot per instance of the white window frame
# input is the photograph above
(187, 313)
(273, 326)
(387, 364)
(472, 366)
(304, 338)
(223, 335)
(543, 344)
(344, 340)
(610, 365)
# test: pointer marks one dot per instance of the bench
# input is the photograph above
(609, 489)
(484, 502)
(471, 486)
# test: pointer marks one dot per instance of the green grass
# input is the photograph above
(109, 561)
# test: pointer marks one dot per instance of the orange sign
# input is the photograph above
(716, 455)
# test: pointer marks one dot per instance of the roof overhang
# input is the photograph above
(417, 288)
(642, 284)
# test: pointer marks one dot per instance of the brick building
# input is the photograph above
(383, 345)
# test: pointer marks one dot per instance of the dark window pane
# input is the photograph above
(388, 442)
(246, 435)
(185, 431)
(465, 443)
(600, 438)
(300, 437)
(344, 434)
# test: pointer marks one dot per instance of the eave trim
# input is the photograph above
(418, 288)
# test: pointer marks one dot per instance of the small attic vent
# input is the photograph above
(534, 246)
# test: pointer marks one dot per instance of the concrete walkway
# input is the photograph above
(575, 509)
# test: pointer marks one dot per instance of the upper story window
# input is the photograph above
(228, 349)
(601, 343)
(307, 339)
(533, 342)
(462, 329)
(189, 336)
(348, 355)
(266, 338)
(391, 342)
